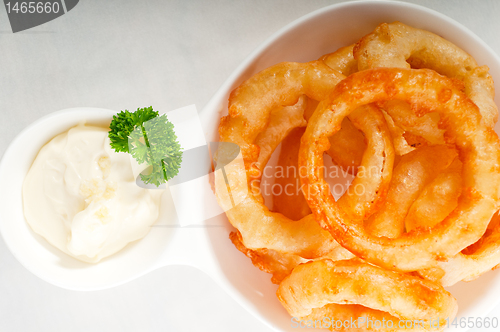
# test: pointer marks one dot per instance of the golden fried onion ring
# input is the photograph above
(375, 181)
(399, 45)
(426, 126)
(281, 122)
(347, 146)
(316, 285)
(259, 227)
(290, 201)
(380, 160)
(342, 60)
(478, 147)
(374, 174)
(280, 265)
(250, 107)
(475, 260)
(438, 199)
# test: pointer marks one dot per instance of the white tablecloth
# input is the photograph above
(128, 54)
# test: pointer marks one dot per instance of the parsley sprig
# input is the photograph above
(150, 139)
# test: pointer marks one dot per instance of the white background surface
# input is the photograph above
(128, 54)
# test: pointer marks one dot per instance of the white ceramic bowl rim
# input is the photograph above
(271, 51)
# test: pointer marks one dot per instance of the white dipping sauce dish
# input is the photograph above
(207, 246)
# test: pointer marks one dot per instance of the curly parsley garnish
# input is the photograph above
(150, 139)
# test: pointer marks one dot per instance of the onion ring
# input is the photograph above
(314, 285)
(280, 265)
(259, 227)
(401, 146)
(290, 202)
(281, 122)
(424, 126)
(374, 177)
(380, 158)
(250, 107)
(478, 147)
(375, 172)
(413, 172)
(475, 260)
(347, 146)
(438, 198)
(342, 60)
(399, 45)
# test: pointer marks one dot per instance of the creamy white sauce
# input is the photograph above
(81, 196)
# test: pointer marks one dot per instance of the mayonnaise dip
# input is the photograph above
(82, 197)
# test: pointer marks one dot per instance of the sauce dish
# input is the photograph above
(206, 246)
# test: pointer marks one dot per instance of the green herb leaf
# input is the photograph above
(150, 139)
(124, 123)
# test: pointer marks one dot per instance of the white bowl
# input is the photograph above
(208, 247)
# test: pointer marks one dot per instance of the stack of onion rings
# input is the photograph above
(478, 145)
(426, 217)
